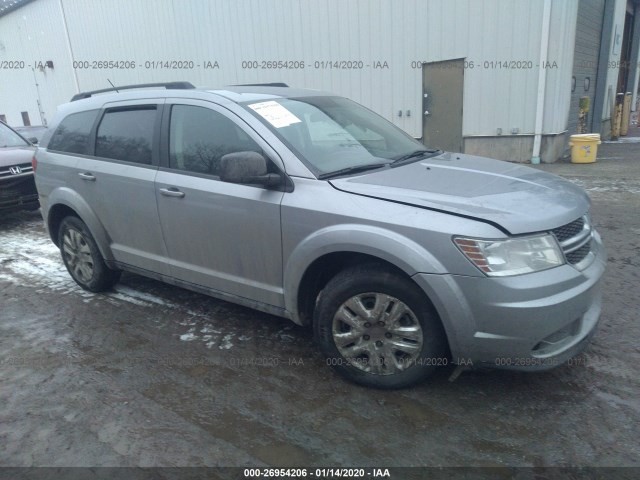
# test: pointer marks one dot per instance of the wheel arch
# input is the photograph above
(323, 254)
(65, 202)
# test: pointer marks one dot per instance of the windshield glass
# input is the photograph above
(334, 133)
(8, 138)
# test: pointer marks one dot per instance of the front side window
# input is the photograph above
(9, 138)
(334, 133)
(72, 135)
(127, 134)
(200, 137)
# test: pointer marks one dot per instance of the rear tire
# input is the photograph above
(377, 328)
(82, 257)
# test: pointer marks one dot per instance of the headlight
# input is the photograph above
(515, 256)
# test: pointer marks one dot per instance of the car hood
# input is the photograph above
(517, 198)
(10, 156)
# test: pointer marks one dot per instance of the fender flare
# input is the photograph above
(387, 245)
(69, 198)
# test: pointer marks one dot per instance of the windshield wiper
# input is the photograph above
(355, 169)
(417, 154)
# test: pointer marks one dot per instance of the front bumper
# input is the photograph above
(18, 193)
(527, 322)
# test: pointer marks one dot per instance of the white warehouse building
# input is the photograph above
(500, 78)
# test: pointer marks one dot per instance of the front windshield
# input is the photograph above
(334, 133)
(8, 138)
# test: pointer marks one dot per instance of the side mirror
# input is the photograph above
(247, 167)
(33, 140)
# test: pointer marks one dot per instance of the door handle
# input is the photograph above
(171, 192)
(87, 176)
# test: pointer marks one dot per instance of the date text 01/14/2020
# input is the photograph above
(317, 473)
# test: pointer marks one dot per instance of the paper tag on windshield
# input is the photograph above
(275, 114)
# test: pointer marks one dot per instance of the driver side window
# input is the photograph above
(200, 137)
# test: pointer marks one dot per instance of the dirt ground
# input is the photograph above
(153, 375)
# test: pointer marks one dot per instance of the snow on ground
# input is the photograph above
(609, 186)
(34, 258)
(624, 140)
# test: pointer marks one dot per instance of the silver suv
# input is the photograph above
(311, 207)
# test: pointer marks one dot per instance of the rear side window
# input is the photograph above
(200, 137)
(72, 135)
(127, 134)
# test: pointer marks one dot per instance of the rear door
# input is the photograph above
(117, 181)
(220, 235)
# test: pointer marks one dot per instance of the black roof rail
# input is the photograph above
(275, 84)
(167, 85)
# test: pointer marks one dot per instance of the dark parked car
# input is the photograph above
(17, 187)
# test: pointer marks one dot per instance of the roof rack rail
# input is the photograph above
(275, 84)
(167, 85)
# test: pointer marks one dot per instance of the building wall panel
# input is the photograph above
(488, 34)
(34, 33)
(561, 45)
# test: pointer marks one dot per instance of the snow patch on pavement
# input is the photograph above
(624, 140)
(37, 260)
(30, 257)
(145, 297)
(608, 186)
(226, 342)
(127, 298)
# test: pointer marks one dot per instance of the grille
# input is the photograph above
(5, 172)
(569, 230)
(578, 255)
(575, 239)
(17, 191)
(25, 186)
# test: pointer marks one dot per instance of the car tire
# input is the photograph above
(82, 257)
(378, 329)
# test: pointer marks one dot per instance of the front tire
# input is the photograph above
(82, 257)
(378, 329)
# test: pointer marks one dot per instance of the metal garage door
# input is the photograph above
(585, 62)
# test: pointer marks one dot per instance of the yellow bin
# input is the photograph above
(584, 147)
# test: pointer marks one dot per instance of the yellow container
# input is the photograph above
(584, 148)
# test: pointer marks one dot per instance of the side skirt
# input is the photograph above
(245, 302)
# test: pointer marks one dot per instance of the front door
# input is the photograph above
(442, 87)
(219, 235)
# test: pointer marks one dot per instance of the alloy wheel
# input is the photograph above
(77, 255)
(377, 333)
